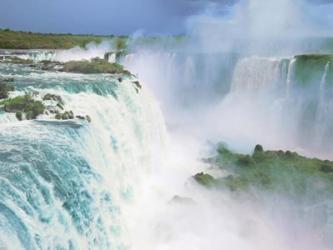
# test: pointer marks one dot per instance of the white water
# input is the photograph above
(257, 110)
(91, 51)
(256, 74)
(101, 165)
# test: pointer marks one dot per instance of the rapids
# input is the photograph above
(63, 183)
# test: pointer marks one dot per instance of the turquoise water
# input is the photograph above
(62, 183)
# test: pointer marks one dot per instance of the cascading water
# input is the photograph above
(256, 74)
(259, 96)
(284, 100)
(63, 183)
(80, 185)
(267, 103)
(91, 51)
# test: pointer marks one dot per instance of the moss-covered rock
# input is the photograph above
(19, 115)
(182, 200)
(5, 88)
(16, 60)
(24, 104)
(67, 115)
(49, 65)
(258, 149)
(95, 66)
(52, 97)
(205, 179)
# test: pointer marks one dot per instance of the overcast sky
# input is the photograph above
(99, 16)
(102, 16)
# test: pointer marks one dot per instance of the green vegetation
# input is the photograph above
(120, 43)
(28, 40)
(24, 104)
(67, 115)
(16, 60)
(52, 97)
(309, 69)
(5, 88)
(279, 171)
(94, 66)
(205, 179)
(19, 115)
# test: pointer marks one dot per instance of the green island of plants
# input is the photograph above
(95, 66)
(281, 171)
(24, 105)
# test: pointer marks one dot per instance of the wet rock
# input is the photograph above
(67, 115)
(52, 97)
(182, 200)
(24, 104)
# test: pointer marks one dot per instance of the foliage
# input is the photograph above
(309, 69)
(205, 179)
(27, 40)
(19, 115)
(120, 43)
(67, 115)
(94, 66)
(5, 88)
(24, 104)
(52, 97)
(282, 171)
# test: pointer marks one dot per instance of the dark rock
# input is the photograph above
(88, 118)
(19, 115)
(182, 200)
(258, 148)
(52, 97)
(67, 115)
(80, 117)
(205, 179)
(137, 85)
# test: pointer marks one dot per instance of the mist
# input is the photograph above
(234, 79)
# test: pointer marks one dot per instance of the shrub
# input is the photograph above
(95, 66)
(19, 115)
(205, 179)
(67, 115)
(25, 104)
(52, 97)
(258, 148)
(245, 160)
(5, 88)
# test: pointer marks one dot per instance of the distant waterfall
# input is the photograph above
(256, 74)
(291, 95)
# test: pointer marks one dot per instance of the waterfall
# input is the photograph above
(293, 103)
(290, 76)
(256, 74)
(323, 109)
(63, 184)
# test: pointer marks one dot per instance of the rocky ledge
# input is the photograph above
(30, 105)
